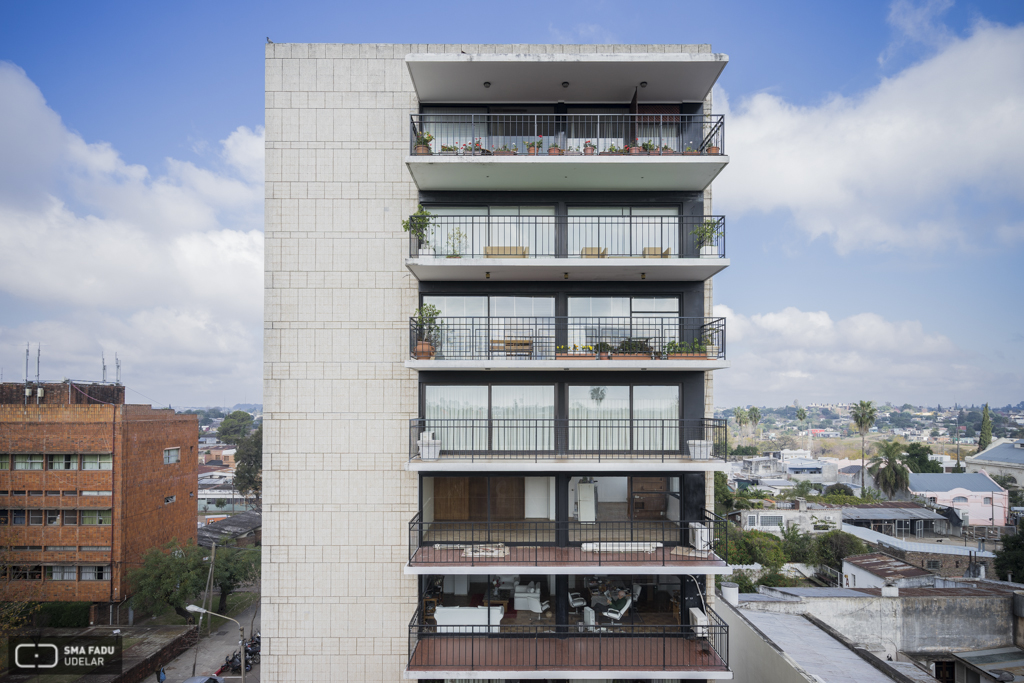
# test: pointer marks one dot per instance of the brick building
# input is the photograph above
(87, 485)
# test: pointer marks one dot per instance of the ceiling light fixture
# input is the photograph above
(488, 275)
(643, 276)
(565, 275)
(643, 84)
(487, 84)
(565, 84)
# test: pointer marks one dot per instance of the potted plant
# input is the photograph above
(635, 148)
(574, 352)
(683, 351)
(532, 147)
(613, 150)
(423, 140)
(665, 149)
(589, 148)
(705, 237)
(449, 149)
(602, 348)
(456, 243)
(428, 332)
(474, 148)
(554, 149)
(712, 150)
(418, 225)
(690, 151)
(505, 150)
(650, 147)
(631, 349)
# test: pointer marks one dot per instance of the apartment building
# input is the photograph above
(88, 484)
(489, 348)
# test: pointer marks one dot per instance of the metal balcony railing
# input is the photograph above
(565, 338)
(575, 237)
(570, 647)
(582, 439)
(547, 543)
(583, 135)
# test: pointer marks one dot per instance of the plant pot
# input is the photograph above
(632, 356)
(709, 251)
(423, 149)
(504, 153)
(637, 150)
(574, 356)
(713, 150)
(691, 153)
(426, 252)
(531, 151)
(554, 151)
(589, 151)
(687, 356)
(453, 256)
(424, 350)
(667, 152)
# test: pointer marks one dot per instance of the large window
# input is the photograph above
(98, 461)
(641, 325)
(96, 573)
(639, 418)
(28, 462)
(95, 517)
(610, 231)
(478, 326)
(61, 573)
(62, 462)
(172, 455)
(477, 418)
(492, 231)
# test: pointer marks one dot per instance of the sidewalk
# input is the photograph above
(212, 652)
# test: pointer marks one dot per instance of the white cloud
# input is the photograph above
(916, 24)
(807, 354)
(165, 268)
(896, 166)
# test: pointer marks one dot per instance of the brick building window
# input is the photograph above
(169, 499)
(18, 517)
(61, 573)
(28, 462)
(5, 462)
(62, 462)
(95, 517)
(94, 548)
(172, 455)
(27, 547)
(32, 573)
(52, 517)
(60, 548)
(96, 573)
(933, 564)
(5, 517)
(94, 493)
(69, 493)
(98, 461)
(70, 517)
(53, 493)
(37, 494)
(35, 517)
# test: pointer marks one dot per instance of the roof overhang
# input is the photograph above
(592, 78)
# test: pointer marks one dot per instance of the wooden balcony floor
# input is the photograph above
(573, 653)
(550, 556)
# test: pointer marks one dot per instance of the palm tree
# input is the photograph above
(741, 418)
(754, 415)
(863, 414)
(889, 470)
(801, 416)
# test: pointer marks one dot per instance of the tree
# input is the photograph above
(839, 490)
(917, 459)
(830, 548)
(762, 548)
(741, 417)
(744, 450)
(888, 469)
(234, 568)
(1010, 560)
(985, 438)
(801, 415)
(723, 496)
(754, 415)
(863, 414)
(235, 426)
(249, 466)
(798, 546)
(171, 576)
(219, 503)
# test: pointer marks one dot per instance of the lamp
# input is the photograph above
(487, 84)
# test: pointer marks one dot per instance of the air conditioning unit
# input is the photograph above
(700, 537)
(699, 622)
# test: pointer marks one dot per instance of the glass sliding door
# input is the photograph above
(458, 230)
(522, 326)
(464, 325)
(656, 418)
(521, 231)
(598, 418)
(457, 415)
(623, 232)
(625, 325)
(523, 418)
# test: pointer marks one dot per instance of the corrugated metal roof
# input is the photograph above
(877, 538)
(1004, 452)
(890, 513)
(885, 566)
(922, 483)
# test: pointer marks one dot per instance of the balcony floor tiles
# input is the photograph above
(615, 656)
(430, 559)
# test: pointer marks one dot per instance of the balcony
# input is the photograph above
(678, 546)
(625, 152)
(632, 651)
(487, 439)
(604, 248)
(566, 343)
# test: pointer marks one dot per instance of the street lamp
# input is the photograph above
(199, 610)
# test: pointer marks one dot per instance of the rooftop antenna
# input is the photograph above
(39, 356)
(117, 367)
(103, 361)
(27, 390)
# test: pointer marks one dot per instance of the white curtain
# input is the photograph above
(523, 417)
(590, 404)
(458, 416)
(656, 415)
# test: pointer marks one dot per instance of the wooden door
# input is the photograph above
(508, 498)
(647, 497)
(451, 499)
(478, 499)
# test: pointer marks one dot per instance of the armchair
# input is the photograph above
(576, 601)
(617, 614)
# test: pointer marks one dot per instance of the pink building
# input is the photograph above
(985, 502)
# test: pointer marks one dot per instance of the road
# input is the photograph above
(212, 652)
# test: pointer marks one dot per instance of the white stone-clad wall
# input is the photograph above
(337, 397)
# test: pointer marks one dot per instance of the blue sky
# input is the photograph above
(874, 198)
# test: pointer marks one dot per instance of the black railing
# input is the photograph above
(566, 134)
(583, 439)
(567, 236)
(565, 338)
(548, 543)
(607, 647)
